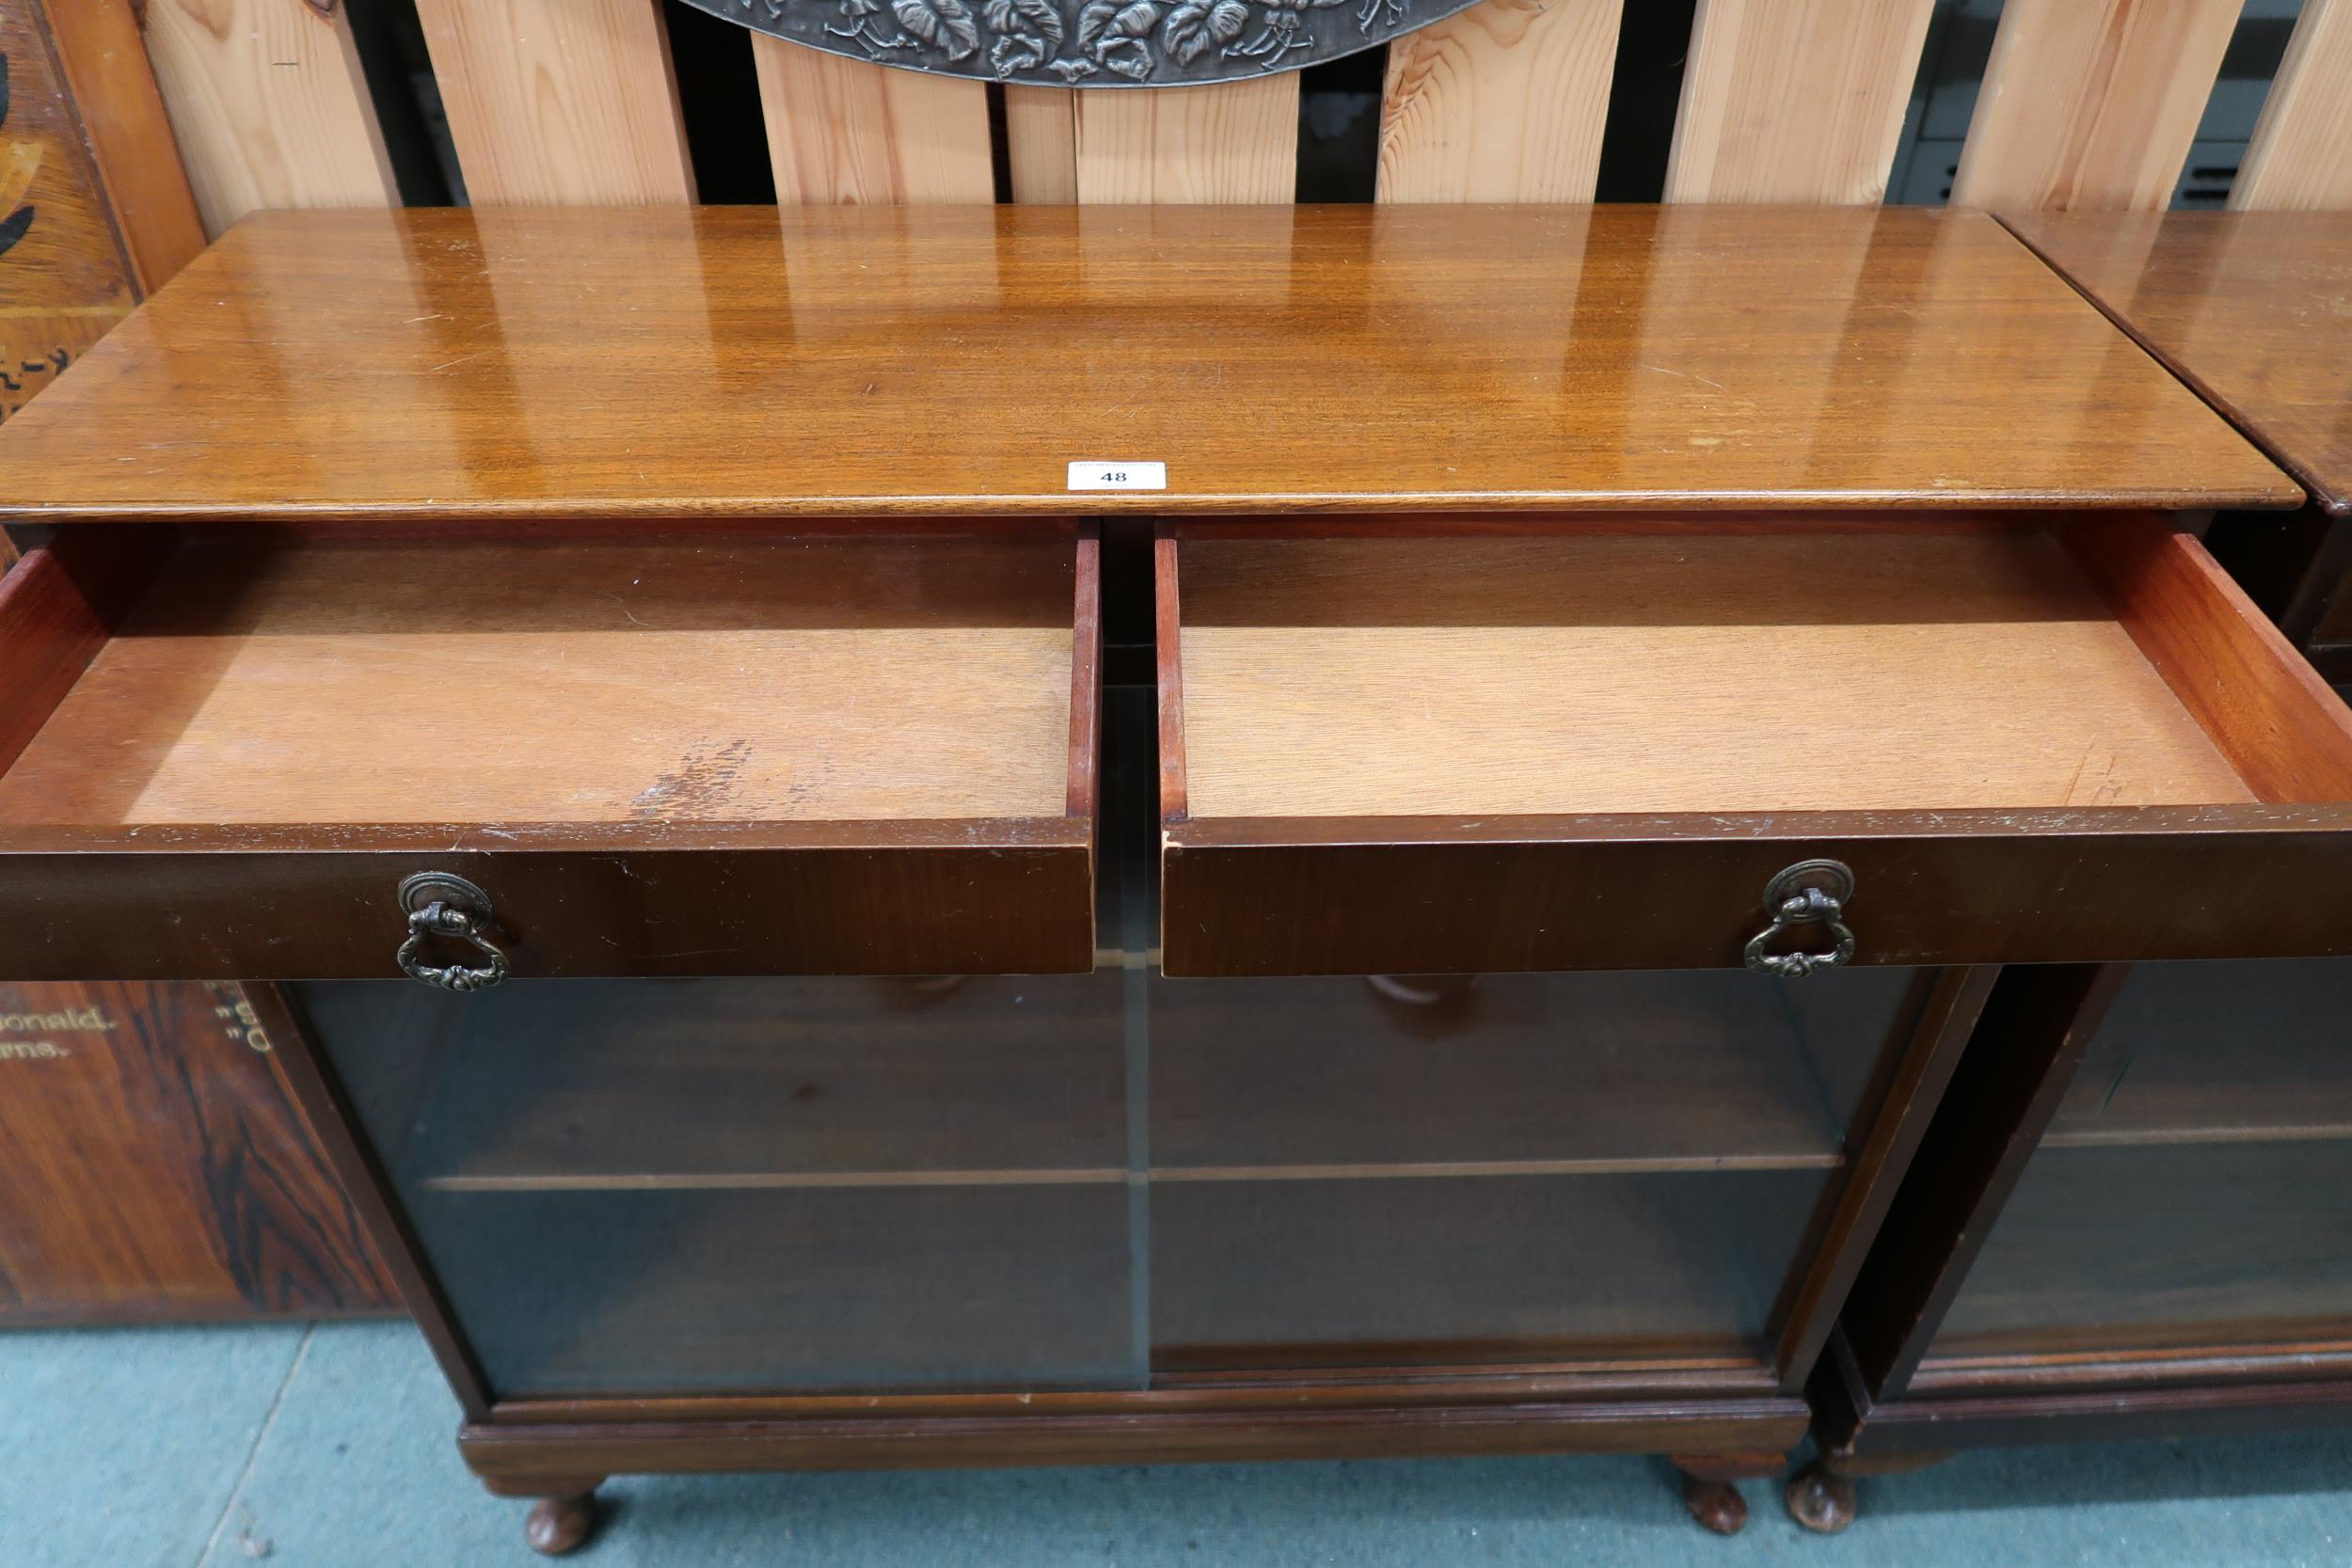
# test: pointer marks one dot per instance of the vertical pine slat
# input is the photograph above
(269, 107)
(123, 118)
(1795, 101)
(853, 133)
(1236, 141)
(2091, 104)
(1503, 102)
(2301, 154)
(1041, 143)
(561, 102)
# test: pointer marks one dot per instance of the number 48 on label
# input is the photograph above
(1097, 475)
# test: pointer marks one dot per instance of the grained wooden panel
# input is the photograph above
(1443, 677)
(152, 1164)
(2247, 307)
(269, 105)
(463, 364)
(736, 685)
(63, 281)
(1233, 142)
(568, 101)
(850, 131)
(1041, 143)
(2091, 103)
(112, 85)
(1794, 100)
(1503, 102)
(2301, 154)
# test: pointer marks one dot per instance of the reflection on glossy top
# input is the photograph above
(2254, 309)
(856, 360)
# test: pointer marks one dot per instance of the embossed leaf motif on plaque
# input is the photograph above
(1088, 43)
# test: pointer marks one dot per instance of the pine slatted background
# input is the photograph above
(2086, 103)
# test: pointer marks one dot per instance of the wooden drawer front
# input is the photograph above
(1595, 745)
(740, 750)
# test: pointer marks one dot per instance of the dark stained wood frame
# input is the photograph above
(1879, 1400)
(1696, 1410)
(1010, 896)
(1317, 896)
(1877, 1395)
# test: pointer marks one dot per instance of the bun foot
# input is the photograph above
(558, 1524)
(1716, 1504)
(1821, 1501)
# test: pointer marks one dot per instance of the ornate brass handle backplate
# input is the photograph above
(1810, 893)
(442, 906)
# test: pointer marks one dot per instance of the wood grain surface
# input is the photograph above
(2282, 727)
(1233, 142)
(2091, 104)
(156, 1168)
(2247, 307)
(1796, 101)
(560, 101)
(1340, 857)
(2301, 152)
(269, 105)
(1503, 102)
(518, 1459)
(853, 132)
(1041, 143)
(810, 681)
(112, 84)
(953, 361)
(64, 278)
(1383, 677)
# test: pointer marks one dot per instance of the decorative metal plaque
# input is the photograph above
(1088, 43)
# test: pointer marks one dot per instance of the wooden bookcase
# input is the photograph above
(1388, 1031)
(2132, 1224)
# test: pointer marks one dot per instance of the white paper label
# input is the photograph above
(1119, 476)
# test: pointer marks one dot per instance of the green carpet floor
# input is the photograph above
(329, 1447)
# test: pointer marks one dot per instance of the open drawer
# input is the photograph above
(1655, 743)
(296, 754)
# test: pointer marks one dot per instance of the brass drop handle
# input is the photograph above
(1810, 893)
(443, 906)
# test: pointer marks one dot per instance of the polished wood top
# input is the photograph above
(2254, 309)
(564, 363)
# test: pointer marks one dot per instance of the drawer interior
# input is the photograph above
(731, 676)
(1756, 666)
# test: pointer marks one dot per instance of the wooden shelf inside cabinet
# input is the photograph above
(1594, 745)
(2162, 1245)
(2215, 1053)
(756, 750)
(739, 1082)
(1346, 1078)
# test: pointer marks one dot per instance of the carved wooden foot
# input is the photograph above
(557, 1524)
(1820, 1499)
(1708, 1491)
(1716, 1504)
